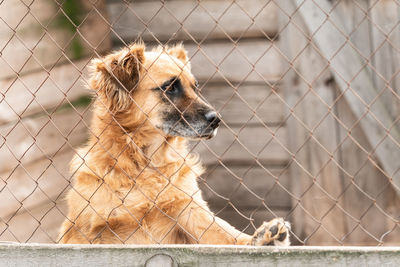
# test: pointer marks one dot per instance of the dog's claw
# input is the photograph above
(274, 232)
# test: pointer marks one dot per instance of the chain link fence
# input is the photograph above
(307, 92)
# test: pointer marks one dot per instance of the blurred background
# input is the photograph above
(308, 92)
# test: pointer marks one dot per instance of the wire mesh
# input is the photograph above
(309, 103)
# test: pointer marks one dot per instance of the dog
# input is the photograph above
(134, 181)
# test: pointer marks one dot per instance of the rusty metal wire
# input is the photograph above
(293, 143)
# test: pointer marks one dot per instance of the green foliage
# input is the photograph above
(73, 12)
(82, 101)
(77, 48)
(68, 21)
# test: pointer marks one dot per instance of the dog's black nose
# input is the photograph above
(212, 118)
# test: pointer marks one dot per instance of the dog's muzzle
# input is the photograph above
(213, 119)
(213, 123)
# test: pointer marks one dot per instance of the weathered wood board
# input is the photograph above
(246, 186)
(43, 182)
(247, 61)
(384, 16)
(313, 141)
(374, 32)
(41, 224)
(37, 35)
(156, 21)
(238, 105)
(370, 196)
(41, 91)
(194, 255)
(247, 145)
(34, 138)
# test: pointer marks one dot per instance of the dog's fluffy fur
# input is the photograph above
(134, 181)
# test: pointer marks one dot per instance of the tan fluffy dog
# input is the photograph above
(135, 182)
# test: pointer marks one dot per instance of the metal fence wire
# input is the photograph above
(307, 92)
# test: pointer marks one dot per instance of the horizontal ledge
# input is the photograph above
(202, 248)
(193, 255)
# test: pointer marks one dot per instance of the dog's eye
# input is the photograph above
(196, 87)
(173, 89)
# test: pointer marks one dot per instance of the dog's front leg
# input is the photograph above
(205, 228)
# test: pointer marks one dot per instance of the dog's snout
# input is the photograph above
(212, 117)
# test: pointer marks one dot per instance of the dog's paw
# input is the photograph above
(272, 233)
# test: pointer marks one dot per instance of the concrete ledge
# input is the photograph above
(12, 254)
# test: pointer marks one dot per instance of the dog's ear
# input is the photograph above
(180, 53)
(132, 64)
(118, 74)
(124, 68)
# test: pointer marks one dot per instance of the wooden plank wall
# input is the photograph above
(43, 113)
(357, 203)
(235, 59)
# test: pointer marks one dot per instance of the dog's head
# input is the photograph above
(154, 88)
